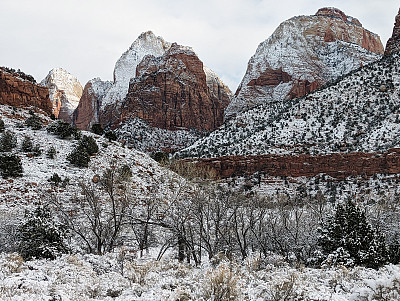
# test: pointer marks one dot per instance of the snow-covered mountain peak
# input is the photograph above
(146, 44)
(125, 68)
(302, 54)
(65, 91)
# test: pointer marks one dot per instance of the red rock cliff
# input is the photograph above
(171, 92)
(393, 44)
(22, 93)
(338, 165)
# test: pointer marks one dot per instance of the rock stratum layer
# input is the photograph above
(17, 92)
(65, 93)
(171, 92)
(393, 44)
(337, 165)
(303, 54)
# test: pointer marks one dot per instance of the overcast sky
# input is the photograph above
(86, 37)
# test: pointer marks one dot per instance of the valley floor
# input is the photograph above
(118, 276)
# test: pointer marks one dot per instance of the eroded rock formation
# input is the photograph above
(65, 92)
(171, 92)
(17, 92)
(393, 44)
(303, 54)
(338, 165)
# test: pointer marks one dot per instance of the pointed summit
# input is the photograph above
(393, 44)
(65, 91)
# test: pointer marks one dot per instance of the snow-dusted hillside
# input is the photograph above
(37, 170)
(360, 112)
(307, 51)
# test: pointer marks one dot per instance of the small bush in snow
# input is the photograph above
(86, 147)
(97, 129)
(62, 129)
(2, 126)
(41, 236)
(10, 166)
(27, 144)
(221, 284)
(34, 122)
(51, 152)
(8, 141)
(111, 136)
(89, 144)
(79, 157)
(55, 179)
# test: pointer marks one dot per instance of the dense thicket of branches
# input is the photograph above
(200, 218)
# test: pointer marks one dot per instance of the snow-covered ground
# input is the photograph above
(121, 276)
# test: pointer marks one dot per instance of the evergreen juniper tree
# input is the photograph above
(347, 238)
(41, 236)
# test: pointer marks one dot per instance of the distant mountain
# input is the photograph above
(162, 97)
(65, 92)
(360, 112)
(303, 54)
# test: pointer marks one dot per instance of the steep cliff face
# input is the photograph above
(337, 165)
(393, 44)
(303, 54)
(108, 97)
(65, 92)
(172, 96)
(171, 92)
(89, 105)
(17, 92)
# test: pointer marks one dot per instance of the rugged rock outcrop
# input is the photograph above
(338, 165)
(65, 92)
(393, 44)
(107, 97)
(17, 92)
(172, 96)
(171, 92)
(89, 105)
(302, 54)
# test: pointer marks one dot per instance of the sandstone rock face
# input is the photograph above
(171, 92)
(172, 97)
(125, 68)
(393, 44)
(217, 88)
(107, 97)
(65, 92)
(88, 109)
(338, 165)
(17, 92)
(301, 55)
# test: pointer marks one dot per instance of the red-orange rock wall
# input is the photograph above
(22, 93)
(338, 165)
(393, 44)
(172, 93)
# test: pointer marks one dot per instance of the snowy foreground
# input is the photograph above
(119, 276)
